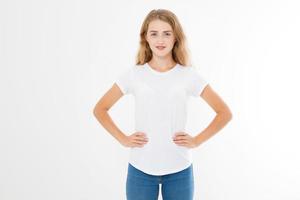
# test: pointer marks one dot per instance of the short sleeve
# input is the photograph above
(196, 83)
(124, 81)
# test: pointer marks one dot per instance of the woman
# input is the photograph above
(161, 81)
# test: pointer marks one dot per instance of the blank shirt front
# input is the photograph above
(160, 112)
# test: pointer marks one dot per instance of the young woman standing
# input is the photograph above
(161, 82)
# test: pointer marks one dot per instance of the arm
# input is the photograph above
(223, 116)
(101, 112)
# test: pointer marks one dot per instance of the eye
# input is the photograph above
(154, 34)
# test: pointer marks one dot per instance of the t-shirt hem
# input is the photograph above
(162, 172)
(200, 90)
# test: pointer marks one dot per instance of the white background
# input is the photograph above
(58, 58)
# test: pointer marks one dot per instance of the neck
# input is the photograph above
(162, 64)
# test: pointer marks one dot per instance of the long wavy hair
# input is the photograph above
(179, 52)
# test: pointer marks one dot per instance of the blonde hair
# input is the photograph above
(179, 51)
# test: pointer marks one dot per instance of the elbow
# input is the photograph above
(97, 111)
(227, 114)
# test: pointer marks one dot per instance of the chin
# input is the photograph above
(161, 54)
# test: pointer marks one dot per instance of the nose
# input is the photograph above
(160, 39)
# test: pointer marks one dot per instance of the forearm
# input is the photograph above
(220, 120)
(105, 120)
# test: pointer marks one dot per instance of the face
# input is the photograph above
(160, 37)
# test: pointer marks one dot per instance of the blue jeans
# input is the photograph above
(175, 186)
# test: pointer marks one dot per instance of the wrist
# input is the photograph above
(122, 138)
(198, 140)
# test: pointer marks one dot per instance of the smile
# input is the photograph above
(160, 47)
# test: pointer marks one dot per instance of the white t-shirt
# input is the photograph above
(160, 112)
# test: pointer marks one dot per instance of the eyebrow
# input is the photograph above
(157, 31)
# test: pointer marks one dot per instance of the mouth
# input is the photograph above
(160, 47)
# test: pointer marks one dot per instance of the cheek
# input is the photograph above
(151, 44)
(150, 40)
(170, 43)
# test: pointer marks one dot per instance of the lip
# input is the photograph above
(160, 47)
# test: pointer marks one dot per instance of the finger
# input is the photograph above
(138, 144)
(180, 133)
(181, 142)
(141, 134)
(182, 145)
(144, 137)
(141, 139)
(180, 138)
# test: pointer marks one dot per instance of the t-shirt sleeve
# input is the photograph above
(124, 81)
(196, 83)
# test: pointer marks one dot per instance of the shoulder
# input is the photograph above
(189, 70)
(193, 73)
(128, 70)
(131, 71)
(133, 68)
(137, 68)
